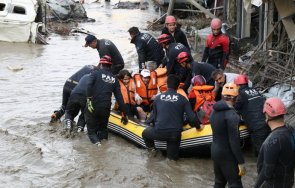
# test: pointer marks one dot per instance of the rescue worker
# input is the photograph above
(147, 47)
(226, 153)
(276, 160)
(167, 116)
(217, 46)
(173, 30)
(146, 88)
(76, 103)
(128, 90)
(222, 78)
(106, 47)
(196, 68)
(249, 105)
(102, 84)
(69, 85)
(172, 51)
(199, 94)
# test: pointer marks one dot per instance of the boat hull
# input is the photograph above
(191, 139)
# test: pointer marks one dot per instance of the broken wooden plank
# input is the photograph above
(204, 10)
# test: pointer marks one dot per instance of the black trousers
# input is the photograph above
(66, 93)
(75, 105)
(172, 138)
(274, 183)
(226, 172)
(97, 123)
(217, 62)
(258, 136)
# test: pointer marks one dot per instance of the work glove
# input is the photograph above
(90, 105)
(124, 120)
(242, 169)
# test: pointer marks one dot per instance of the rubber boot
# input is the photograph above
(68, 125)
(81, 124)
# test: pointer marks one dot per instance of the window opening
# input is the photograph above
(2, 6)
(19, 10)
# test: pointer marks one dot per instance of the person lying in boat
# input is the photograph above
(201, 98)
(168, 110)
(146, 88)
(128, 90)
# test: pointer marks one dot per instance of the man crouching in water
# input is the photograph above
(102, 84)
(168, 110)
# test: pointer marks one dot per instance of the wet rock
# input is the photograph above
(127, 5)
(66, 9)
(15, 68)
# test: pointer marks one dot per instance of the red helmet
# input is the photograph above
(241, 79)
(106, 60)
(198, 80)
(274, 107)
(164, 38)
(170, 19)
(216, 23)
(182, 57)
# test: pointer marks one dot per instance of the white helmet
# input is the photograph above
(145, 73)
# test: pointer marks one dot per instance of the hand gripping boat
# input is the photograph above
(192, 141)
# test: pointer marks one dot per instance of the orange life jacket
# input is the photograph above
(162, 79)
(128, 93)
(203, 93)
(146, 92)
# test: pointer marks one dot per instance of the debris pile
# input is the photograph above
(275, 65)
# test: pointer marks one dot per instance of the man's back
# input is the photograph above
(204, 69)
(276, 159)
(250, 105)
(102, 84)
(80, 73)
(169, 108)
(225, 127)
(107, 47)
(148, 48)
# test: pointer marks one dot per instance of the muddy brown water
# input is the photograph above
(34, 154)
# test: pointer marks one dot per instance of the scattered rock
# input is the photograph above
(15, 68)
